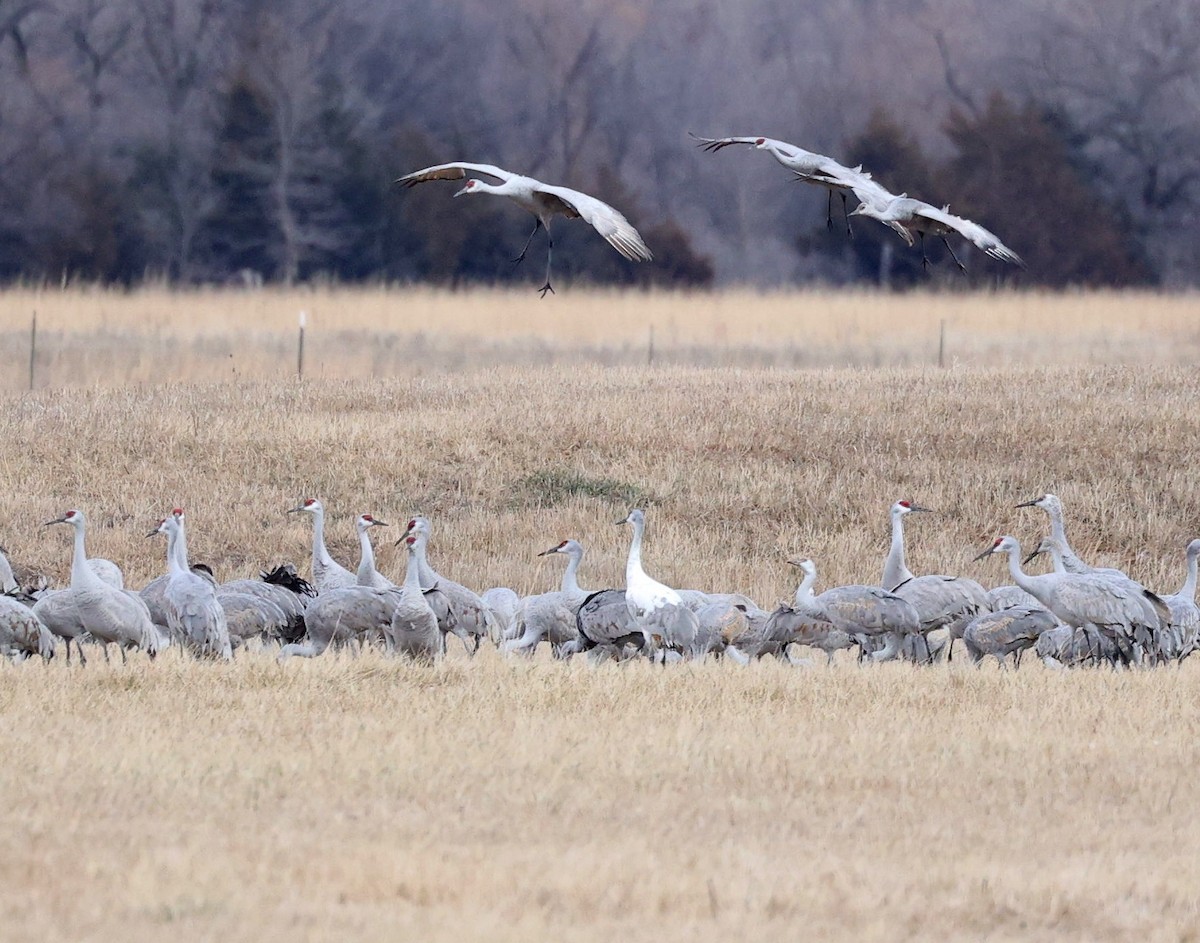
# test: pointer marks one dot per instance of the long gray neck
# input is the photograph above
(174, 564)
(412, 573)
(320, 553)
(570, 580)
(1030, 584)
(804, 592)
(82, 576)
(1058, 532)
(428, 576)
(366, 560)
(181, 548)
(1188, 590)
(894, 570)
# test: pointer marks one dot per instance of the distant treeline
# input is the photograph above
(245, 140)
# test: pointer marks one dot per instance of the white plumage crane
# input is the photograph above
(327, 573)
(194, 614)
(1088, 601)
(95, 607)
(654, 606)
(940, 601)
(1054, 510)
(465, 614)
(544, 202)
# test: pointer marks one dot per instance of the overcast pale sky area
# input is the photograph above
(198, 139)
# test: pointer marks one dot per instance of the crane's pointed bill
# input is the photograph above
(986, 553)
(1028, 504)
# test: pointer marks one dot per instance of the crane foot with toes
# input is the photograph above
(547, 288)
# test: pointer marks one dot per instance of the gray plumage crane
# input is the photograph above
(327, 573)
(343, 615)
(1087, 601)
(8, 582)
(250, 616)
(92, 606)
(466, 615)
(22, 633)
(941, 601)
(544, 202)
(283, 587)
(414, 629)
(551, 616)
(1054, 510)
(925, 219)
(860, 612)
(367, 574)
(808, 166)
(606, 626)
(1010, 631)
(194, 614)
(503, 603)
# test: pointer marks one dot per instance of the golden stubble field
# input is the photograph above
(365, 798)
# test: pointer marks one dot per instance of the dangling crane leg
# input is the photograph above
(962, 267)
(521, 258)
(846, 213)
(549, 254)
(829, 212)
(924, 257)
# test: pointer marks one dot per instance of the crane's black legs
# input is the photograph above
(549, 254)
(845, 213)
(962, 267)
(924, 257)
(829, 212)
(521, 258)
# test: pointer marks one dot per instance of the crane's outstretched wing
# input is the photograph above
(863, 186)
(973, 233)
(605, 220)
(455, 171)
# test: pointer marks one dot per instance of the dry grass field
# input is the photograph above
(369, 799)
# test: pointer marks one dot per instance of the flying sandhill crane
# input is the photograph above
(551, 616)
(544, 202)
(1007, 632)
(860, 612)
(925, 219)
(327, 573)
(367, 574)
(1054, 510)
(466, 616)
(93, 606)
(22, 633)
(414, 628)
(1087, 601)
(808, 166)
(194, 614)
(940, 601)
(654, 605)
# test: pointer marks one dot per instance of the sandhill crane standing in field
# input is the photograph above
(940, 601)
(414, 628)
(327, 573)
(1054, 510)
(367, 574)
(859, 612)
(1087, 601)
(345, 614)
(1185, 616)
(250, 616)
(194, 614)
(544, 202)
(808, 166)
(284, 588)
(468, 616)
(551, 616)
(504, 603)
(92, 605)
(1007, 632)
(22, 633)
(924, 218)
(605, 625)
(654, 605)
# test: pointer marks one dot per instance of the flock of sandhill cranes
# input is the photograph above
(1074, 615)
(899, 212)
